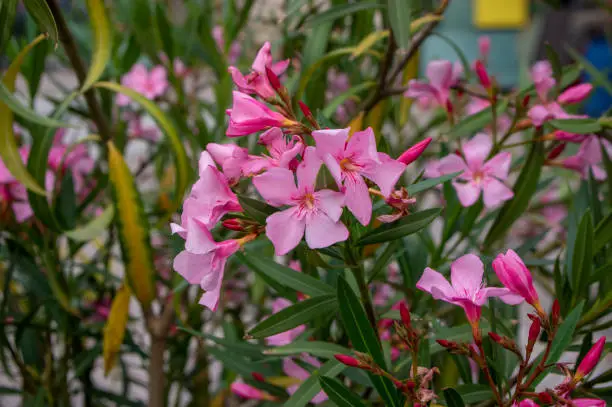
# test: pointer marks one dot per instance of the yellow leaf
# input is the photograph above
(368, 42)
(114, 330)
(283, 381)
(356, 124)
(411, 71)
(419, 22)
(9, 151)
(133, 228)
(180, 157)
(376, 117)
(102, 42)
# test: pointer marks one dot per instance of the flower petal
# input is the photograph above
(468, 193)
(321, 231)
(499, 165)
(387, 173)
(330, 202)
(495, 192)
(476, 151)
(330, 141)
(277, 186)
(466, 274)
(285, 230)
(308, 169)
(432, 279)
(358, 199)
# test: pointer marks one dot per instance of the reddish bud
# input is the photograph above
(525, 101)
(482, 74)
(347, 360)
(545, 398)
(555, 313)
(258, 377)
(405, 314)
(273, 79)
(591, 359)
(495, 337)
(305, 109)
(414, 152)
(532, 317)
(556, 151)
(233, 224)
(446, 344)
(534, 331)
(449, 106)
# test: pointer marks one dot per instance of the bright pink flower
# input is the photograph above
(257, 81)
(588, 403)
(203, 261)
(248, 116)
(467, 288)
(246, 391)
(588, 157)
(282, 152)
(283, 338)
(526, 403)
(591, 359)
(414, 152)
(234, 50)
(292, 369)
(442, 76)
(313, 213)
(350, 159)
(150, 84)
(515, 276)
(477, 175)
(483, 75)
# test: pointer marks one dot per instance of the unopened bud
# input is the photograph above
(525, 101)
(545, 398)
(258, 377)
(446, 344)
(233, 224)
(534, 333)
(449, 107)
(556, 151)
(555, 313)
(482, 74)
(591, 359)
(495, 337)
(273, 79)
(414, 152)
(305, 109)
(348, 360)
(405, 314)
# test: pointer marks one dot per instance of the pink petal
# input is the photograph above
(277, 186)
(538, 114)
(308, 169)
(204, 162)
(292, 369)
(190, 266)
(450, 164)
(199, 240)
(499, 165)
(358, 199)
(466, 274)
(495, 192)
(387, 173)
(246, 391)
(421, 90)
(330, 142)
(575, 94)
(431, 280)
(477, 150)
(334, 168)
(321, 231)
(362, 146)
(263, 58)
(330, 202)
(440, 74)
(285, 230)
(468, 193)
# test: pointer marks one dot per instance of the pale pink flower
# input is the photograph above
(234, 50)
(516, 277)
(548, 108)
(248, 116)
(478, 175)
(467, 289)
(257, 81)
(588, 158)
(150, 84)
(283, 338)
(292, 369)
(350, 159)
(315, 214)
(442, 76)
(230, 157)
(282, 152)
(246, 391)
(76, 160)
(136, 129)
(476, 105)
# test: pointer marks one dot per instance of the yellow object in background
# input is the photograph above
(500, 14)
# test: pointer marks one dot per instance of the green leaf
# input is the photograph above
(453, 398)
(15, 105)
(7, 20)
(310, 387)
(102, 42)
(526, 185)
(474, 393)
(553, 58)
(598, 77)
(472, 124)
(66, 205)
(603, 233)
(95, 228)
(333, 105)
(286, 276)
(582, 258)
(40, 12)
(430, 183)
(565, 334)
(343, 10)
(364, 338)
(165, 31)
(295, 315)
(316, 348)
(578, 126)
(400, 14)
(257, 210)
(398, 229)
(339, 394)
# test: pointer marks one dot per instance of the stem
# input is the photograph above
(483, 364)
(78, 66)
(156, 371)
(365, 295)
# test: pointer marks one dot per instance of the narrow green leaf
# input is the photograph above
(95, 228)
(430, 183)
(7, 20)
(343, 10)
(578, 126)
(400, 14)
(316, 348)
(582, 258)
(257, 210)
(40, 12)
(598, 77)
(403, 227)
(553, 58)
(25, 112)
(165, 31)
(286, 276)
(332, 106)
(311, 386)
(565, 334)
(453, 398)
(102, 42)
(603, 233)
(295, 315)
(339, 393)
(472, 124)
(474, 393)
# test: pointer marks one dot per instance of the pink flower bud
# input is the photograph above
(495, 337)
(258, 377)
(233, 224)
(414, 152)
(590, 359)
(525, 101)
(534, 333)
(545, 398)
(405, 314)
(527, 403)
(305, 109)
(249, 392)
(273, 79)
(248, 116)
(347, 360)
(555, 313)
(556, 151)
(449, 107)
(516, 277)
(575, 94)
(484, 46)
(446, 344)
(482, 74)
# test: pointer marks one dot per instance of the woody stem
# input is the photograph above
(483, 364)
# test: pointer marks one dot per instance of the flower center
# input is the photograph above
(308, 201)
(348, 165)
(478, 176)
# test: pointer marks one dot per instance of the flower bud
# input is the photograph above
(525, 101)
(446, 344)
(449, 107)
(556, 151)
(305, 109)
(258, 377)
(545, 398)
(534, 334)
(495, 337)
(273, 79)
(516, 277)
(555, 313)
(348, 360)
(233, 224)
(591, 359)
(414, 152)
(405, 314)
(482, 74)
(575, 94)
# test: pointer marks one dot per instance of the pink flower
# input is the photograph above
(149, 84)
(246, 391)
(588, 158)
(235, 48)
(283, 338)
(467, 288)
(13, 193)
(588, 403)
(350, 159)
(257, 81)
(526, 403)
(477, 175)
(282, 152)
(591, 359)
(548, 109)
(248, 116)
(516, 277)
(292, 369)
(313, 213)
(203, 261)
(442, 76)
(230, 157)
(484, 46)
